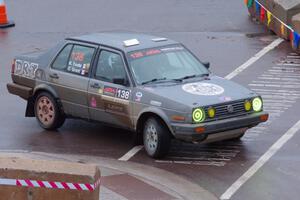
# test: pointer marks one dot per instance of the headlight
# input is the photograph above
(211, 112)
(247, 105)
(257, 104)
(198, 115)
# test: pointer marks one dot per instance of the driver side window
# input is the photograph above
(110, 66)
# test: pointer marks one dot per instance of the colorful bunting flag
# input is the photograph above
(282, 28)
(246, 2)
(262, 14)
(257, 8)
(269, 16)
(291, 35)
(249, 3)
(296, 39)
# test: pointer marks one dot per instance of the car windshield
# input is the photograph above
(164, 64)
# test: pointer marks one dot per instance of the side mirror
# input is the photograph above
(206, 64)
(120, 81)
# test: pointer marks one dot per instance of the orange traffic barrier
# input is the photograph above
(4, 23)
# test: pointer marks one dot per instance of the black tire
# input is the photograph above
(156, 138)
(48, 112)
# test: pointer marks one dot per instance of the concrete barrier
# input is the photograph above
(26, 179)
(280, 16)
(284, 10)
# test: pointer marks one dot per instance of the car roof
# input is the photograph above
(116, 40)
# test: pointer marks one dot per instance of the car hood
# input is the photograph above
(203, 92)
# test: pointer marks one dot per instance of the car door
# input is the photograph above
(69, 76)
(109, 90)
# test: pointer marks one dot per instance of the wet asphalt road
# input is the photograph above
(218, 31)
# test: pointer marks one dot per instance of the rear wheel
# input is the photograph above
(156, 138)
(48, 112)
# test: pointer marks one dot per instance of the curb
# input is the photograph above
(169, 181)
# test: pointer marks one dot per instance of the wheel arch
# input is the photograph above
(38, 89)
(44, 88)
(156, 113)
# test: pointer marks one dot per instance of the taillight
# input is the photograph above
(13, 65)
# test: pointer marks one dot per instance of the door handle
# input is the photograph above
(54, 76)
(95, 85)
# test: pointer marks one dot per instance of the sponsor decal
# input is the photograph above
(205, 89)
(137, 55)
(116, 92)
(26, 69)
(78, 68)
(225, 98)
(155, 51)
(152, 52)
(155, 103)
(93, 102)
(172, 49)
(138, 96)
(85, 69)
(114, 108)
(77, 56)
(109, 91)
(74, 67)
(76, 64)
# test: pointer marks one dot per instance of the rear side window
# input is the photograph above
(110, 65)
(80, 60)
(61, 60)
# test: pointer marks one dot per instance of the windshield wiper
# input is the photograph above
(191, 76)
(154, 80)
(160, 79)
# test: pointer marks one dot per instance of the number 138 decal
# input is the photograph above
(123, 94)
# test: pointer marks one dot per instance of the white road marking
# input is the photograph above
(131, 153)
(256, 57)
(294, 56)
(203, 163)
(261, 161)
(198, 159)
(289, 64)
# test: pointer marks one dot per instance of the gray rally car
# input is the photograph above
(150, 85)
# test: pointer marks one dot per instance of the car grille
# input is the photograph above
(222, 111)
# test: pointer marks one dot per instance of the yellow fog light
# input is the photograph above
(211, 112)
(198, 115)
(247, 105)
(257, 104)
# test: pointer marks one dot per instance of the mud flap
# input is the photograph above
(137, 138)
(30, 108)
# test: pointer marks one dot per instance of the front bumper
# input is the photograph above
(20, 90)
(218, 130)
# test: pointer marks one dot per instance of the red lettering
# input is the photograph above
(137, 55)
(78, 56)
(153, 52)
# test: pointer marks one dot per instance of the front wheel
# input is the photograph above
(48, 112)
(156, 138)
